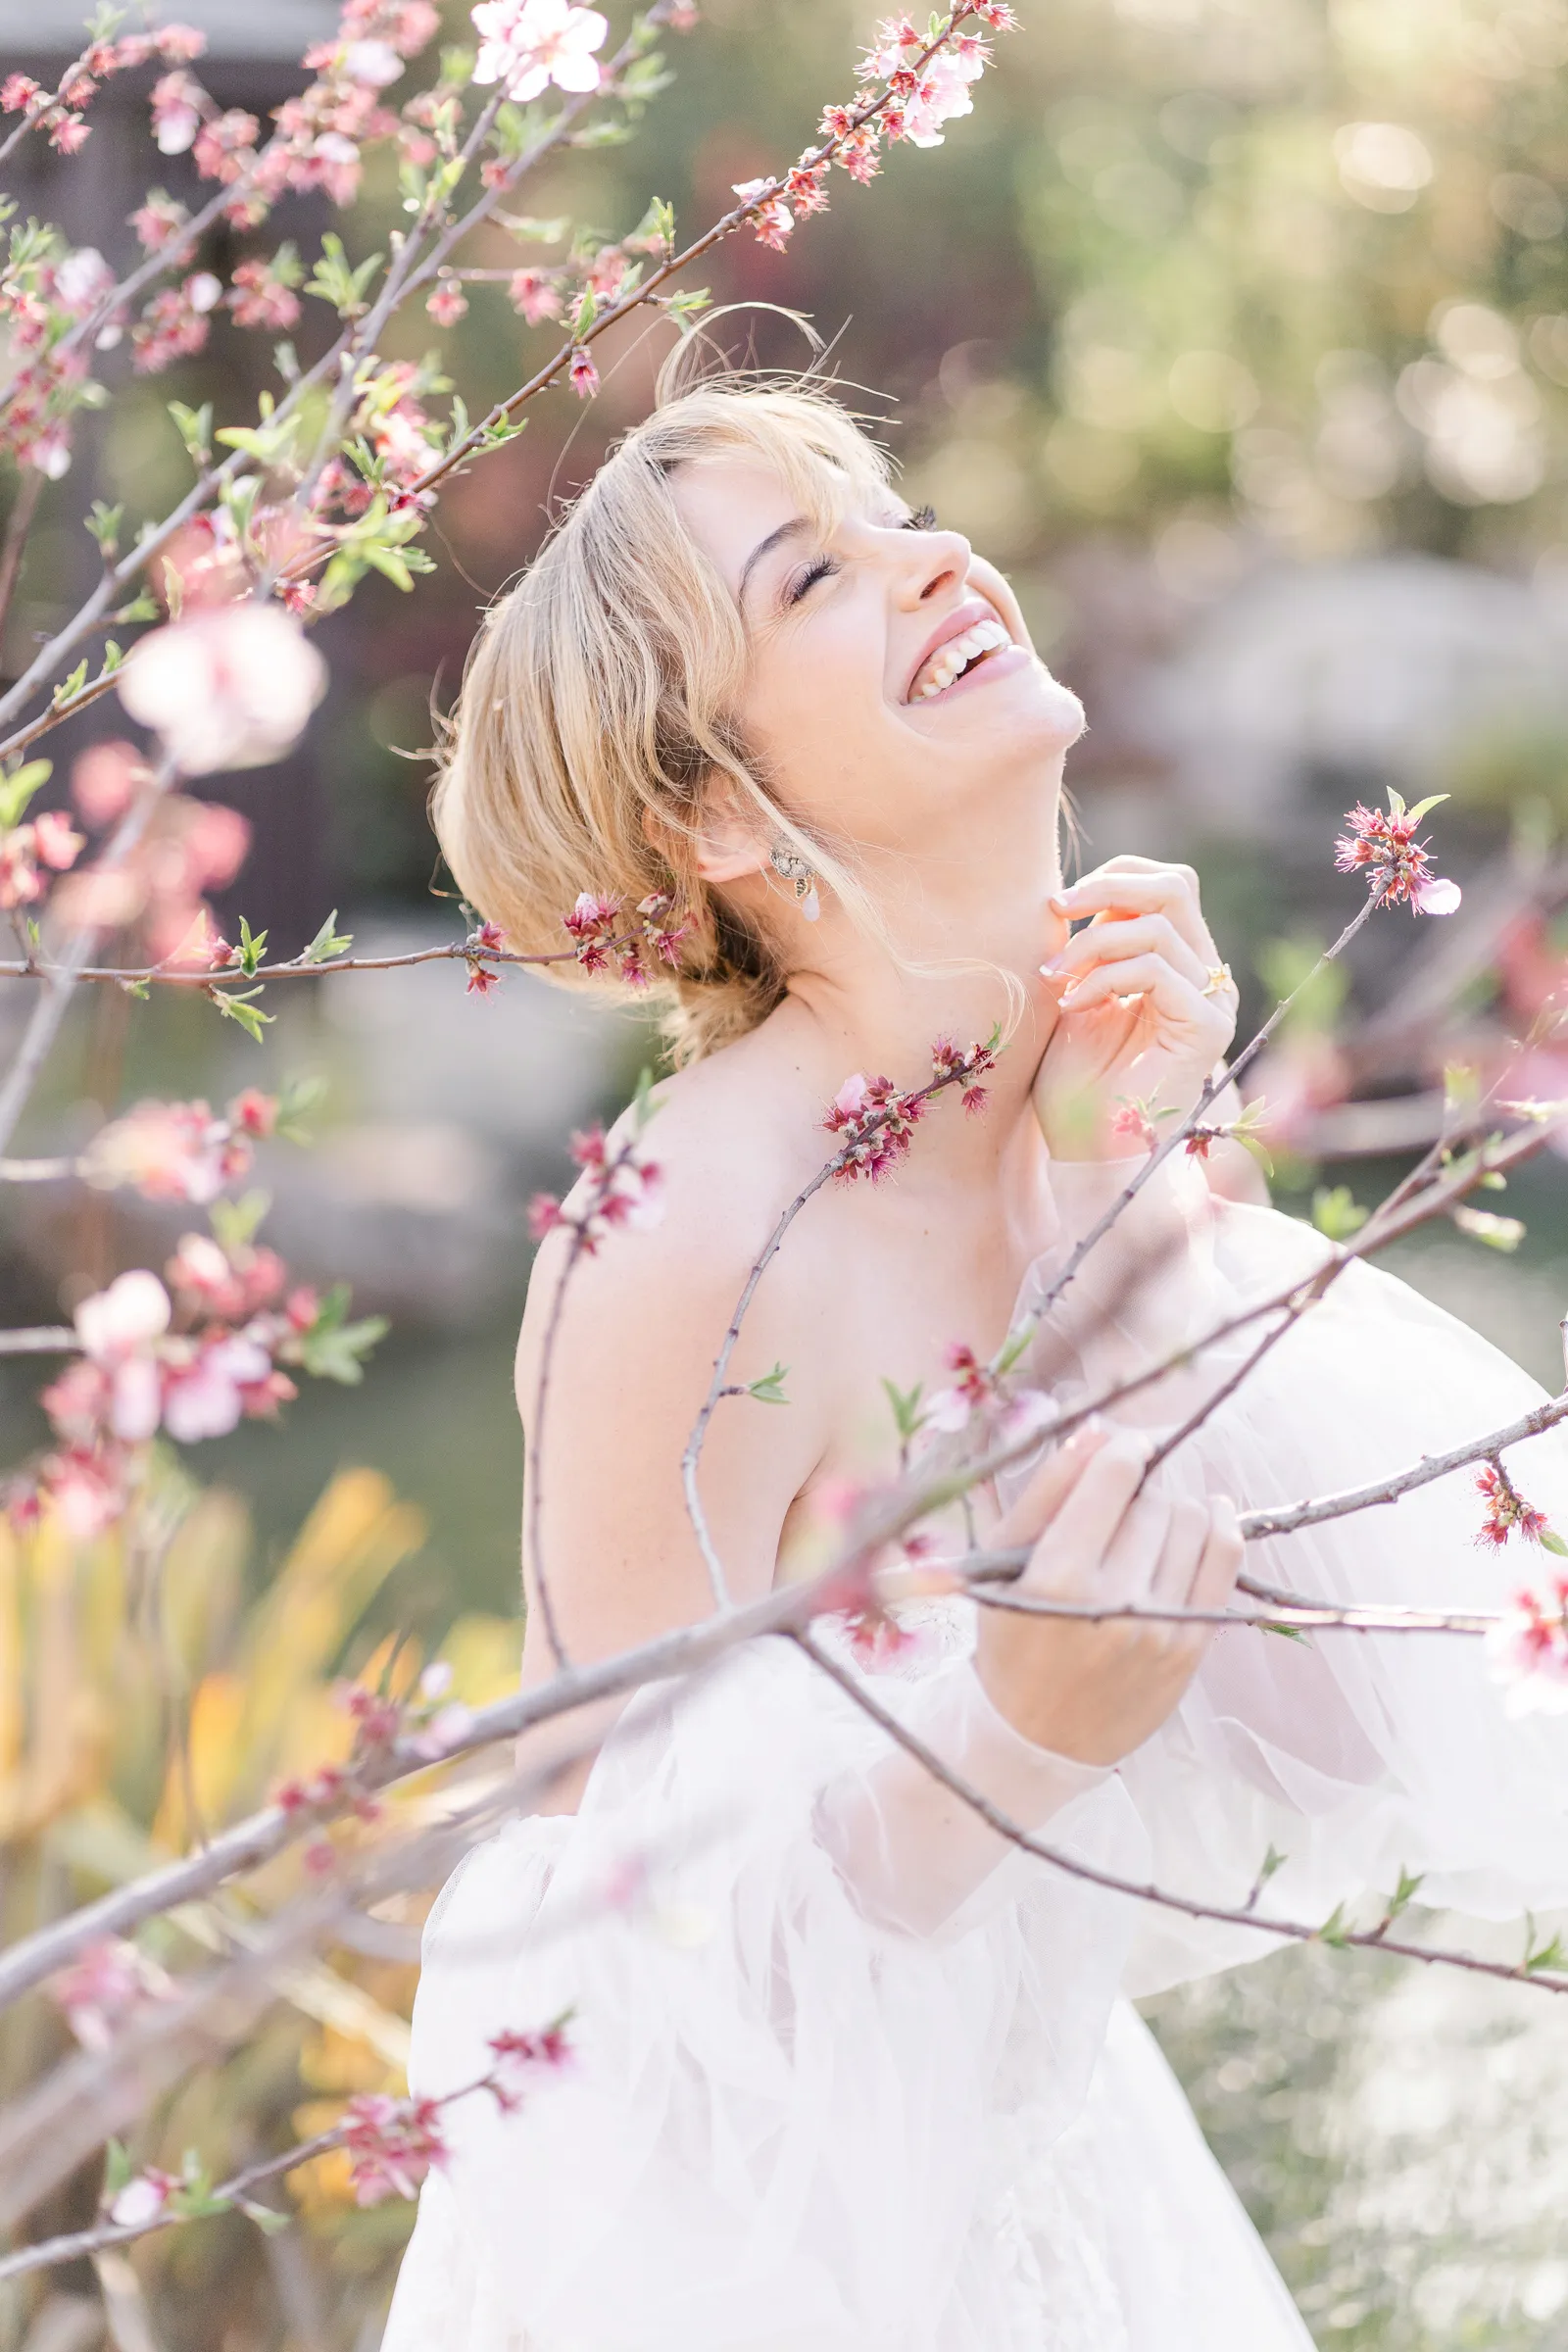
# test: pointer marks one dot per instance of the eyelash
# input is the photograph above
(824, 567)
(821, 569)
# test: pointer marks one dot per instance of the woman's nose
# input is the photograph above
(935, 561)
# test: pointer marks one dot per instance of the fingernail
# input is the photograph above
(1087, 1432)
(1053, 964)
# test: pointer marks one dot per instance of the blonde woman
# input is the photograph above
(851, 2074)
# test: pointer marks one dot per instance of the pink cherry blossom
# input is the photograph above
(176, 104)
(527, 44)
(118, 1330)
(447, 303)
(144, 2199)
(104, 1986)
(535, 295)
(392, 2145)
(1383, 845)
(229, 687)
(1527, 1652)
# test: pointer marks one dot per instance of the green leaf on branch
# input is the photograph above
(69, 688)
(1498, 1233)
(267, 2218)
(1336, 1929)
(529, 231)
(333, 1348)
(242, 1009)
(687, 303)
(905, 1408)
(119, 2170)
(252, 949)
(18, 789)
(328, 941)
(1552, 1955)
(1549, 1540)
(336, 281)
(103, 523)
(1337, 1213)
(1435, 799)
(769, 1390)
(195, 428)
(142, 606)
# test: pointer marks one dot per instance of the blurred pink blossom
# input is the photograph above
(231, 687)
(527, 44)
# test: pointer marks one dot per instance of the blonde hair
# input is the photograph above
(598, 707)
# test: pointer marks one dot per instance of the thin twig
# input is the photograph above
(718, 1389)
(1213, 1087)
(45, 1338)
(50, 1009)
(1146, 1891)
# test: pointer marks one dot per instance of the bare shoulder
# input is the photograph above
(732, 1138)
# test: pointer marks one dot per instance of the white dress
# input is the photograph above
(827, 2100)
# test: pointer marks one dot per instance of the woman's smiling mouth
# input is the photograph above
(957, 655)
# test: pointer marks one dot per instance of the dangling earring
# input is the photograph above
(791, 866)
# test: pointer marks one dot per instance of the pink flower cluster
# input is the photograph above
(980, 1395)
(1507, 1511)
(617, 1188)
(425, 1721)
(604, 938)
(60, 111)
(179, 1150)
(392, 2144)
(55, 305)
(104, 1987)
(192, 1358)
(49, 841)
(876, 1120)
(1383, 845)
(910, 84)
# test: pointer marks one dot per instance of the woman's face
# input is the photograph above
(859, 699)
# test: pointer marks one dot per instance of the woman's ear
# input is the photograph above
(729, 838)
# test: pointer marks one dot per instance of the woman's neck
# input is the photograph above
(968, 962)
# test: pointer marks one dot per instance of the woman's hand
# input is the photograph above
(1096, 1691)
(1147, 1009)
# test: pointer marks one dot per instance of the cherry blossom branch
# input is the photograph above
(1331, 1932)
(1213, 1087)
(49, 2252)
(475, 949)
(871, 1131)
(213, 478)
(984, 1567)
(50, 1009)
(752, 210)
(620, 1188)
(249, 1844)
(1288, 1617)
(1377, 1234)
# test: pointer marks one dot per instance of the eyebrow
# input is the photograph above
(796, 528)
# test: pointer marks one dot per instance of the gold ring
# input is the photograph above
(1219, 976)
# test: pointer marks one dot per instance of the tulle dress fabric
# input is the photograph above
(851, 2074)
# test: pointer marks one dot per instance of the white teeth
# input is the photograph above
(986, 637)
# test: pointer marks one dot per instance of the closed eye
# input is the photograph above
(924, 518)
(820, 569)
